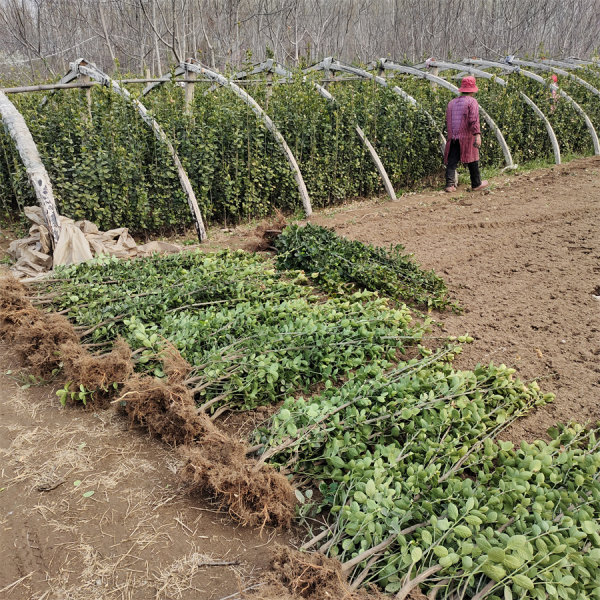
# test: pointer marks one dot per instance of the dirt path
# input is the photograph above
(138, 536)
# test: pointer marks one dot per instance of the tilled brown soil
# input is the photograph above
(524, 262)
(522, 259)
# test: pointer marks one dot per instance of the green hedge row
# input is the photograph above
(109, 168)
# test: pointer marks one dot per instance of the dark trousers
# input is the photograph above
(454, 159)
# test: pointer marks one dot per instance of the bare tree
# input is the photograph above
(39, 37)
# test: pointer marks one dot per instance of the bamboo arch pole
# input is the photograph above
(257, 110)
(271, 66)
(38, 176)
(502, 82)
(82, 68)
(449, 86)
(329, 64)
(547, 67)
(541, 80)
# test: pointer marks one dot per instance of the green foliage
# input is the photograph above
(76, 395)
(334, 261)
(405, 452)
(333, 160)
(523, 131)
(235, 165)
(251, 334)
(110, 168)
(411, 455)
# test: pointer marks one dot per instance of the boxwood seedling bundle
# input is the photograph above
(400, 457)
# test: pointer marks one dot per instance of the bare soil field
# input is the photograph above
(91, 510)
(523, 260)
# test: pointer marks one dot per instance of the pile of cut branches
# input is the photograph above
(336, 264)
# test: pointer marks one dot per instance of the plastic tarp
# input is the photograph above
(79, 241)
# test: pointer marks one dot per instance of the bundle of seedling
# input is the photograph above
(250, 334)
(416, 490)
(216, 333)
(339, 264)
(397, 456)
(216, 463)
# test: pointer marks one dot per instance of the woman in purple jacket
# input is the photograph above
(464, 136)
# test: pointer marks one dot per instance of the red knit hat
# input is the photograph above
(468, 84)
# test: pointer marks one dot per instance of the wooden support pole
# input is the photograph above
(435, 72)
(88, 96)
(189, 92)
(269, 92)
(81, 68)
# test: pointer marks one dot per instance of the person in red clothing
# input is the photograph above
(464, 136)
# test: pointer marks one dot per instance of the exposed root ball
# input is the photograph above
(219, 467)
(15, 308)
(267, 234)
(38, 338)
(270, 591)
(294, 575)
(216, 464)
(166, 409)
(11, 320)
(13, 295)
(175, 366)
(97, 372)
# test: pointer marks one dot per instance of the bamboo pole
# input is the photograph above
(222, 81)
(499, 81)
(553, 87)
(81, 67)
